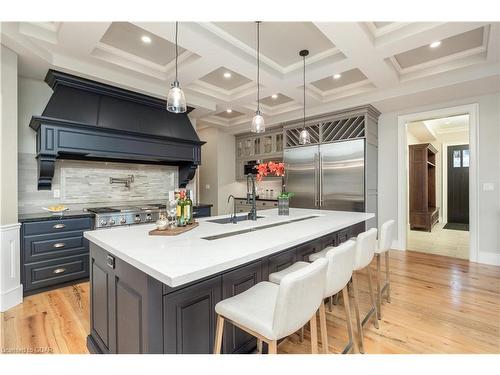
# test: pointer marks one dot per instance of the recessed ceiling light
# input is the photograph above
(337, 76)
(435, 44)
(146, 39)
(227, 75)
(229, 110)
(274, 96)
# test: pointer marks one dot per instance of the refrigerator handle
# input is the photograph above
(316, 203)
(320, 174)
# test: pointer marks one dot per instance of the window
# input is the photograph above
(456, 159)
(465, 158)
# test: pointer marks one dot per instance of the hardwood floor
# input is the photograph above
(439, 305)
(447, 242)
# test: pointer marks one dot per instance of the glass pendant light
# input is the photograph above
(304, 137)
(258, 123)
(176, 101)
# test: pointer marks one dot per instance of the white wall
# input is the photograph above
(488, 171)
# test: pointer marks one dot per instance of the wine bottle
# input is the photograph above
(188, 208)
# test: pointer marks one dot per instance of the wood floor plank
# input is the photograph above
(439, 305)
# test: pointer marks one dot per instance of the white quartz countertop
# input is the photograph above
(177, 260)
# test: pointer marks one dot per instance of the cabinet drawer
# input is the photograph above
(51, 272)
(49, 246)
(57, 226)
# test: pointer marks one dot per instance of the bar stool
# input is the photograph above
(365, 251)
(340, 266)
(383, 245)
(271, 312)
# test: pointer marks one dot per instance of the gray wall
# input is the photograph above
(8, 137)
(488, 171)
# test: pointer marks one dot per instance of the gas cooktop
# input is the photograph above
(125, 215)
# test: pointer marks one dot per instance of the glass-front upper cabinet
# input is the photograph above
(268, 144)
(256, 146)
(239, 148)
(279, 142)
(247, 148)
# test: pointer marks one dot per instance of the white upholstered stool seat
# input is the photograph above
(270, 311)
(244, 308)
(276, 277)
(365, 251)
(320, 254)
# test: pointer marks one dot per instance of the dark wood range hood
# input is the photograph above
(89, 120)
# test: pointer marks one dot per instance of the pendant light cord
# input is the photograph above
(304, 124)
(176, 47)
(258, 66)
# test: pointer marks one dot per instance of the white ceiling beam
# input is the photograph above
(354, 41)
(80, 38)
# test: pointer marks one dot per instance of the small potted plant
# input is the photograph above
(276, 169)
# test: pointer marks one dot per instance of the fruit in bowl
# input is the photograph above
(59, 208)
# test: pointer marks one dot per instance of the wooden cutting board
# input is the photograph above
(173, 231)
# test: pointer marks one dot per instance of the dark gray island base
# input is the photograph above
(131, 312)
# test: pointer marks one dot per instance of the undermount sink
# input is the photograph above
(248, 230)
(229, 220)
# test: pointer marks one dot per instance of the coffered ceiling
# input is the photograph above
(390, 65)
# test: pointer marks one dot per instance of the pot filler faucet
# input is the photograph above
(251, 196)
(234, 219)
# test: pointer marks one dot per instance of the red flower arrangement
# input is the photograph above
(263, 169)
(276, 169)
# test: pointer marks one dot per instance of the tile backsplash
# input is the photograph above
(86, 183)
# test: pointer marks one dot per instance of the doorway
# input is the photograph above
(438, 186)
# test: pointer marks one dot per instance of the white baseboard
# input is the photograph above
(396, 245)
(490, 258)
(11, 298)
(11, 290)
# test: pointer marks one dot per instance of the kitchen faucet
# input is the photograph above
(233, 215)
(252, 215)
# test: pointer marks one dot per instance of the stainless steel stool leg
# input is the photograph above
(351, 346)
(387, 280)
(372, 297)
(356, 310)
(379, 287)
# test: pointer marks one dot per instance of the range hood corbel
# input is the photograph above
(90, 120)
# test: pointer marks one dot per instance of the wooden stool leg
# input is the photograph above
(259, 346)
(347, 307)
(387, 280)
(379, 287)
(356, 310)
(314, 335)
(302, 334)
(273, 347)
(324, 332)
(330, 304)
(372, 297)
(218, 334)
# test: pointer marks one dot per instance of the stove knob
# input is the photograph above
(103, 223)
(122, 220)
(137, 219)
(148, 217)
(112, 222)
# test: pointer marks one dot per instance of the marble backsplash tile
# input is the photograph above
(86, 183)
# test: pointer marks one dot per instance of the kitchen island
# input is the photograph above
(156, 294)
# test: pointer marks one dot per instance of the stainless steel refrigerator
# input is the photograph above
(332, 176)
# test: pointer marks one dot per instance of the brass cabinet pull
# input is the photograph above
(59, 226)
(59, 270)
(59, 244)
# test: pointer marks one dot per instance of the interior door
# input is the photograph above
(302, 176)
(458, 184)
(343, 176)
